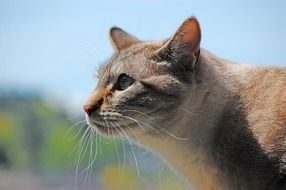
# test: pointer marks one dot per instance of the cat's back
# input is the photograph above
(263, 97)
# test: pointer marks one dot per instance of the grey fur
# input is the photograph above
(193, 118)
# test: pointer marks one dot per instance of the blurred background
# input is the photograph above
(49, 52)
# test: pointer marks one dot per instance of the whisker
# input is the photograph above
(117, 152)
(81, 148)
(77, 145)
(167, 132)
(135, 120)
(79, 131)
(89, 156)
(136, 162)
(72, 117)
(136, 137)
(81, 123)
(194, 112)
(84, 150)
(90, 153)
(99, 142)
(118, 155)
(137, 111)
(123, 146)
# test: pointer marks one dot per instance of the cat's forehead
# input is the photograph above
(139, 50)
(132, 61)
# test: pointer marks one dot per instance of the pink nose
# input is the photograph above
(90, 108)
(87, 109)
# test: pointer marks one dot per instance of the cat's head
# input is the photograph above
(140, 87)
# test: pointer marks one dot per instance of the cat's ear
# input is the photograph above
(184, 46)
(121, 39)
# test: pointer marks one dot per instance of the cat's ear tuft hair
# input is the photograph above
(121, 39)
(184, 46)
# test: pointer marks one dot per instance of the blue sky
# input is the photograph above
(55, 46)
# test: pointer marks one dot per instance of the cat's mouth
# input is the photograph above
(110, 128)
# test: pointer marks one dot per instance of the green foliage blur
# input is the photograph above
(43, 138)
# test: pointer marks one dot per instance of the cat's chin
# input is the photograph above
(109, 130)
(112, 128)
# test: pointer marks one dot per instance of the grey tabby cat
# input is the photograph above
(221, 125)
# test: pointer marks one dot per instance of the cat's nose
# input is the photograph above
(90, 108)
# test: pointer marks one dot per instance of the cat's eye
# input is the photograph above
(123, 82)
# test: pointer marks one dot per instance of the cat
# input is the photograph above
(221, 125)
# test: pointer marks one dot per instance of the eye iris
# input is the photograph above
(125, 82)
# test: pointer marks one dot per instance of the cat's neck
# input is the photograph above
(189, 142)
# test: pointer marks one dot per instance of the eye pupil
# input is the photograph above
(124, 81)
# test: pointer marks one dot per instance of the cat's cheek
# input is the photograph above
(120, 96)
(115, 98)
